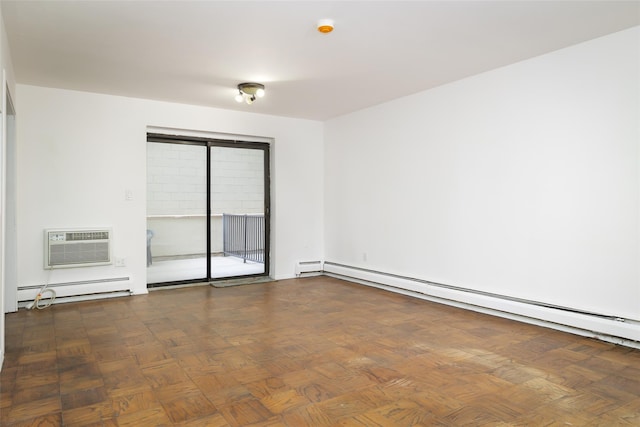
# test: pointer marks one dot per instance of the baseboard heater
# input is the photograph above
(308, 267)
(597, 325)
(79, 291)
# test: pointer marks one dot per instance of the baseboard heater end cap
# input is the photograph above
(303, 267)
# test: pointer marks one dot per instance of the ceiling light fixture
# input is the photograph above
(325, 26)
(248, 92)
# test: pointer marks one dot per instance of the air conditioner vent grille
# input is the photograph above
(77, 248)
(80, 253)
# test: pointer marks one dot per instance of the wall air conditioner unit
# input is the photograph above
(77, 247)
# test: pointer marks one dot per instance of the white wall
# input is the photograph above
(522, 181)
(7, 258)
(79, 153)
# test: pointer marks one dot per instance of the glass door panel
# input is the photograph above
(176, 212)
(238, 233)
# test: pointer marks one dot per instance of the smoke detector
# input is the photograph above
(325, 26)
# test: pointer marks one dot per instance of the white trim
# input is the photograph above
(3, 172)
(608, 328)
(80, 290)
(308, 267)
(208, 134)
(79, 298)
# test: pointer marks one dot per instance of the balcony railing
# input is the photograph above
(243, 236)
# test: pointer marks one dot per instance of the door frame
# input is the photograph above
(229, 143)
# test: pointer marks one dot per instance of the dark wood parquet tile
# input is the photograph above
(93, 414)
(306, 352)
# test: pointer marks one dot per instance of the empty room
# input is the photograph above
(320, 213)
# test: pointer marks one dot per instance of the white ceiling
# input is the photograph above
(196, 52)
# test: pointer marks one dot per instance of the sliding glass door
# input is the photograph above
(207, 209)
(237, 211)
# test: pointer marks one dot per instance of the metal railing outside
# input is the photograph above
(243, 236)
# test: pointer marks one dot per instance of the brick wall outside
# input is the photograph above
(176, 180)
(176, 194)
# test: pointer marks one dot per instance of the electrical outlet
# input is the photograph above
(120, 262)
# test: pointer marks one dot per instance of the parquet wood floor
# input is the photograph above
(305, 352)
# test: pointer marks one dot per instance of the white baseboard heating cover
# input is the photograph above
(307, 267)
(602, 326)
(79, 290)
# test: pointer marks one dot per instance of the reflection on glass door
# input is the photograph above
(176, 212)
(237, 211)
(207, 210)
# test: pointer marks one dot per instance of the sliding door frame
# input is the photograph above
(209, 143)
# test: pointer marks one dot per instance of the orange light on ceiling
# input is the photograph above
(325, 26)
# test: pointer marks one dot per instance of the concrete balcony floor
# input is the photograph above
(189, 268)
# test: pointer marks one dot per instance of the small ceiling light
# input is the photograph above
(248, 92)
(325, 26)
